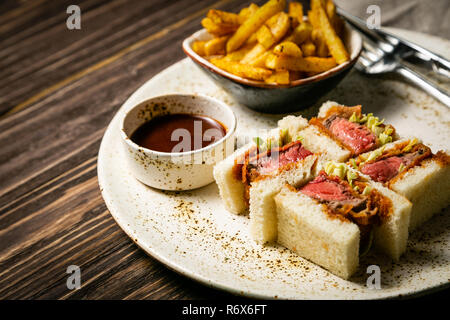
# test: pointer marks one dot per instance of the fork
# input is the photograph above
(383, 52)
(373, 61)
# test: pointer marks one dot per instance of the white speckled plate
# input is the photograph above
(192, 233)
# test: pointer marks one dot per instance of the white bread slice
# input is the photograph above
(263, 220)
(392, 236)
(293, 124)
(306, 228)
(428, 187)
(318, 142)
(231, 190)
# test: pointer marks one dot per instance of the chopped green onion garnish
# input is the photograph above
(384, 138)
(299, 138)
(410, 145)
(351, 175)
(269, 144)
(367, 190)
(354, 118)
(258, 141)
(284, 137)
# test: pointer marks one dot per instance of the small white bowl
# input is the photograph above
(177, 170)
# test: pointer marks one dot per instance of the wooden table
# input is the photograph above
(59, 89)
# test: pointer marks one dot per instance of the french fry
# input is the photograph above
(252, 39)
(307, 64)
(273, 20)
(278, 77)
(300, 34)
(265, 37)
(321, 48)
(247, 12)
(259, 61)
(254, 22)
(244, 12)
(279, 25)
(253, 7)
(238, 55)
(296, 11)
(313, 19)
(293, 22)
(255, 52)
(308, 49)
(242, 70)
(216, 46)
(336, 22)
(334, 43)
(218, 30)
(330, 9)
(319, 41)
(221, 17)
(288, 48)
(294, 75)
(274, 29)
(199, 47)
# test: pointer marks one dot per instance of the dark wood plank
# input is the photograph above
(51, 211)
(38, 59)
(87, 117)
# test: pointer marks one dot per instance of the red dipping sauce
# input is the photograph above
(178, 132)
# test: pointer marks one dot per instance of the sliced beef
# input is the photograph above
(341, 201)
(387, 168)
(338, 197)
(259, 164)
(324, 189)
(267, 162)
(383, 170)
(328, 121)
(358, 137)
(357, 204)
(408, 159)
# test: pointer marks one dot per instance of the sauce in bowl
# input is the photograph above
(178, 132)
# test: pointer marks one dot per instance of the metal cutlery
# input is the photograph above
(383, 52)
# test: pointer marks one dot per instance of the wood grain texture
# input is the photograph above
(59, 89)
(51, 211)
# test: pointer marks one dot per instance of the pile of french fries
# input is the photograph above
(267, 44)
